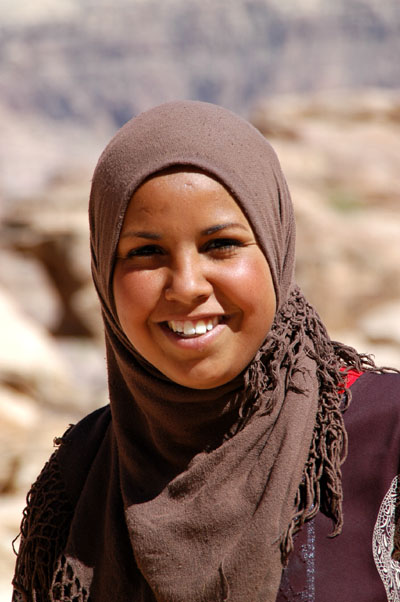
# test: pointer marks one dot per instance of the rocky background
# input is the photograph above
(321, 80)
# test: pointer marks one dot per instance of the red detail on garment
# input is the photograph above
(352, 376)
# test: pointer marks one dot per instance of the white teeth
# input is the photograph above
(201, 327)
(189, 328)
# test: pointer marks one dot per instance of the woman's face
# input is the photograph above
(192, 288)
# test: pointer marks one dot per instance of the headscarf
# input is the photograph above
(162, 515)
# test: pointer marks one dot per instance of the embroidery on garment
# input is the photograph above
(306, 555)
(385, 541)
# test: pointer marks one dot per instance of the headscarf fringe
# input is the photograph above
(44, 529)
(297, 329)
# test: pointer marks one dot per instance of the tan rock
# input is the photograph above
(29, 359)
(382, 324)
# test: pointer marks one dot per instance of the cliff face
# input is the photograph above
(72, 71)
(86, 61)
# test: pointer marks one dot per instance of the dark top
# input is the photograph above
(358, 564)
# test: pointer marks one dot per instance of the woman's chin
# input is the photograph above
(201, 379)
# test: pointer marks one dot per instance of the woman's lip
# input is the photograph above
(193, 342)
(193, 318)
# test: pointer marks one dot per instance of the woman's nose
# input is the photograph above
(188, 280)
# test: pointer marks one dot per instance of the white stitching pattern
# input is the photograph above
(383, 541)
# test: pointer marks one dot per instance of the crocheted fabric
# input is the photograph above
(66, 587)
(44, 532)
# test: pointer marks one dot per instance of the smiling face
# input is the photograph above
(192, 288)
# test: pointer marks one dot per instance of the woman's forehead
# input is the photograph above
(187, 175)
(184, 195)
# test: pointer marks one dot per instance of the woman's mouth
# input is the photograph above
(194, 328)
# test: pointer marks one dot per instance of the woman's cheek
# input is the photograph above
(252, 283)
(136, 293)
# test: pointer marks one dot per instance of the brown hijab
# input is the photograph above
(194, 495)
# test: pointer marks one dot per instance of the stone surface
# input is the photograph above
(29, 359)
(382, 325)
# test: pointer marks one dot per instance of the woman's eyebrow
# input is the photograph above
(141, 234)
(207, 231)
(219, 227)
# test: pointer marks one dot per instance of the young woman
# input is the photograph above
(229, 414)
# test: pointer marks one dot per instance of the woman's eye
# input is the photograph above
(223, 244)
(145, 251)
